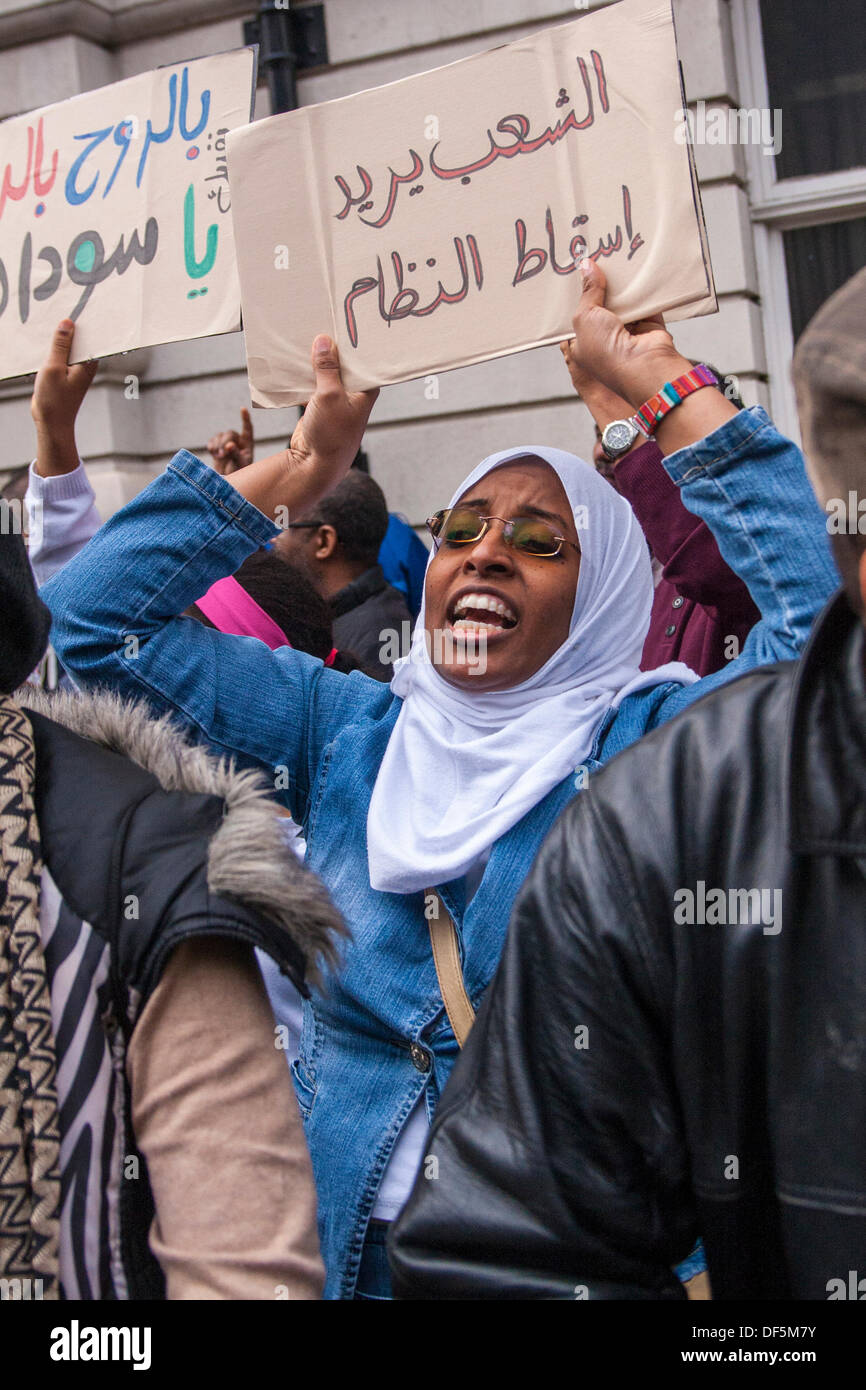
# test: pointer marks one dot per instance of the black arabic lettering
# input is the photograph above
(218, 194)
(120, 259)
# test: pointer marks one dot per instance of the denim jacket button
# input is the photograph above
(678, 601)
(670, 630)
(420, 1057)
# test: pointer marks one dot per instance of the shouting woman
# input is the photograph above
(424, 804)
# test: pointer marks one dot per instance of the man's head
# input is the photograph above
(339, 538)
(830, 379)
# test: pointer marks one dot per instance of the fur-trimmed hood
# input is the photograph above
(248, 858)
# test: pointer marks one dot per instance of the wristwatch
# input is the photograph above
(618, 437)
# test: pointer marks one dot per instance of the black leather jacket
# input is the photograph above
(636, 1078)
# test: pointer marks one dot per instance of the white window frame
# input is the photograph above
(777, 205)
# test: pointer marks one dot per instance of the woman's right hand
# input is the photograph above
(325, 442)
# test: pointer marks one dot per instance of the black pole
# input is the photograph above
(277, 56)
(289, 39)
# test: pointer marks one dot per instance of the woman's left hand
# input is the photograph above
(325, 442)
(633, 362)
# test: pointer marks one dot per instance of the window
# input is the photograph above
(816, 74)
(818, 260)
(808, 200)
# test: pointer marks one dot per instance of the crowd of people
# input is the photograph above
(519, 959)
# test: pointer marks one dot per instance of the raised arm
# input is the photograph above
(60, 502)
(116, 605)
(681, 542)
(735, 472)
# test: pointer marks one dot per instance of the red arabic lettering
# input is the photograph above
(600, 79)
(634, 242)
(518, 127)
(396, 181)
(476, 260)
(362, 286)
(404, 304)
(524, 256)
(346, 191)
(41, 185)
(532, 261)
(10, 189)
(444, 297)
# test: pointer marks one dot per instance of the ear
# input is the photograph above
(325, 542)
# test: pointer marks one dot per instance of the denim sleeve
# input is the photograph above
(115, 608)
(749, 484)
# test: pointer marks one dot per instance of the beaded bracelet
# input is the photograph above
(657, 407)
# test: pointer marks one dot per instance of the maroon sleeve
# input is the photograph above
(683, 545)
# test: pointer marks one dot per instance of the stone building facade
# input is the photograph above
(784, 229)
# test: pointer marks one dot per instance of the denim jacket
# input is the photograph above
(376, 1037)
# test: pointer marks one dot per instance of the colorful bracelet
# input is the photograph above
(657, 407)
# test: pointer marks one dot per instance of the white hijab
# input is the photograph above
(462, 768)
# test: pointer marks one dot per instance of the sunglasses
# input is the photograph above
(465, 526)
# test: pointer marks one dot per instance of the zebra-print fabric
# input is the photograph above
(91, 1158)
(29, 1123)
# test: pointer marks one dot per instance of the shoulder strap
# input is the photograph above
(446, 956)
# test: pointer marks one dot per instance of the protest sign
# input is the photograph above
(115, 212)
(439, 220)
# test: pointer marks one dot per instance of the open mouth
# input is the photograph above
(478, 612)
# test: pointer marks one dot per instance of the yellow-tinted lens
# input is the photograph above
(461, 524)
(533, 537)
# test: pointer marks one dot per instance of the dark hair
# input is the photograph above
(358, 512)
(287, 597)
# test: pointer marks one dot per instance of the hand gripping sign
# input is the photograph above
(115, 212)
(440, 220)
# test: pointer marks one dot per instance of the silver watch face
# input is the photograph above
(618, 437)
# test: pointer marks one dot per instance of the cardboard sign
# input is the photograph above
(115, 212)
(439, 220)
